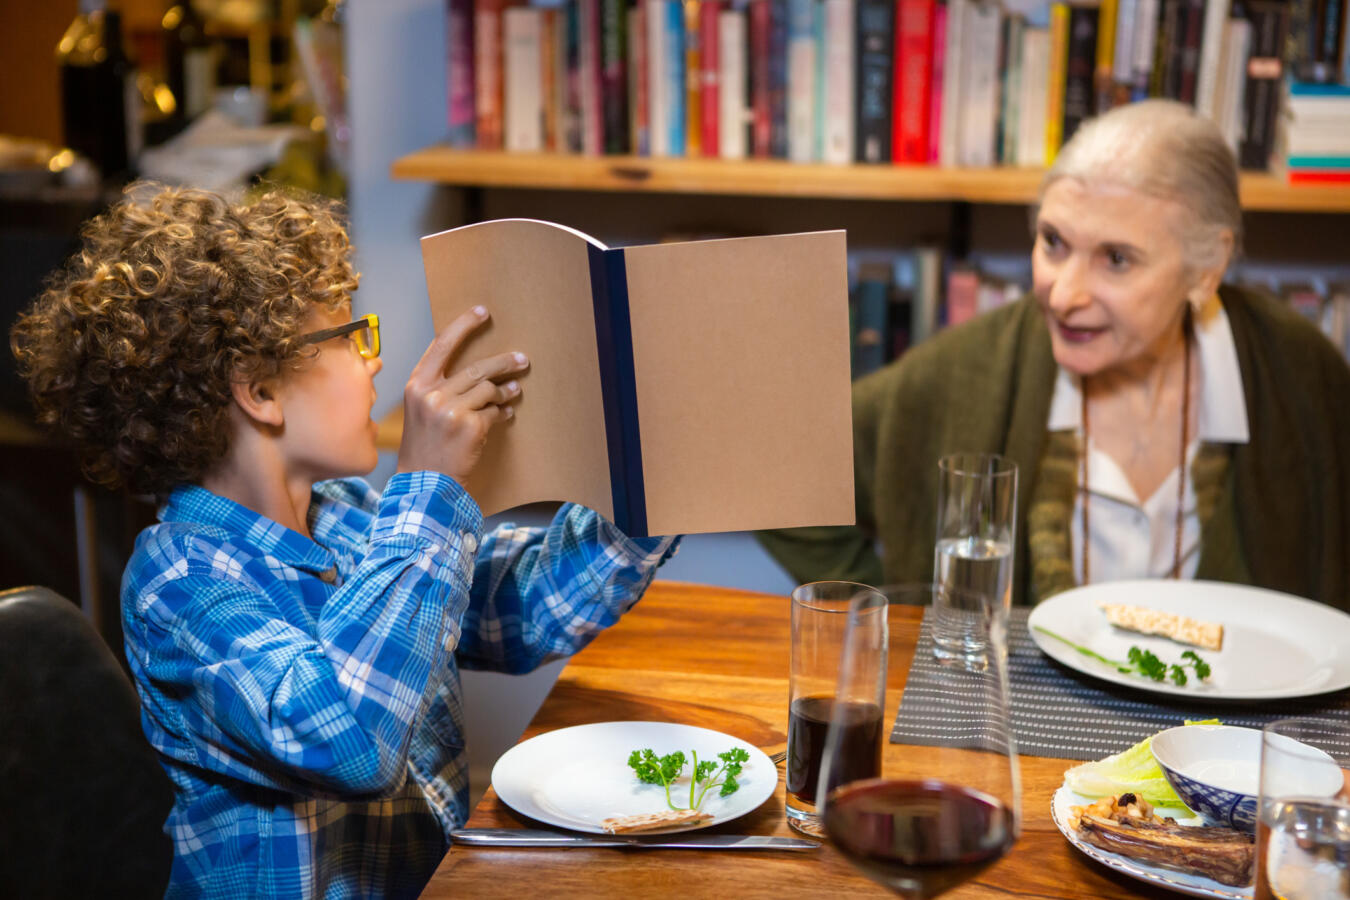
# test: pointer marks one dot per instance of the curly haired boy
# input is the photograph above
(296, 636)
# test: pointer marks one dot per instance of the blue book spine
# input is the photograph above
(1319, 162)
(677, 89)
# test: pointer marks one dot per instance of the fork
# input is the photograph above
(778, 757)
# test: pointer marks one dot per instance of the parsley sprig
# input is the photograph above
(707, 774)
(1145, 662)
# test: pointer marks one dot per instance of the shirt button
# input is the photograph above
(470, 543)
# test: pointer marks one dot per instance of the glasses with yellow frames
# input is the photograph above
(365, 332)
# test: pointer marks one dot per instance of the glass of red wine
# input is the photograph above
(941, 813)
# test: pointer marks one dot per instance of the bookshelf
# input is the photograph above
(1261, 192)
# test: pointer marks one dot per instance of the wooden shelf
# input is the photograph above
(779, 178)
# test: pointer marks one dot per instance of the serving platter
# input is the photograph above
(576, 777)
(1181, 882)
(1275, 645)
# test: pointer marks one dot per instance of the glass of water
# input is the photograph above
(976, 534)
(1303, 826)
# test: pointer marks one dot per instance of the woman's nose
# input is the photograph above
(1070, 289)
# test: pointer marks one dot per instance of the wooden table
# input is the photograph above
(718, 658)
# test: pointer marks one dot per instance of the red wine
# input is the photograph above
(918, 837)
(859, 747)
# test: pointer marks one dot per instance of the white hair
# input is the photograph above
(1165, 149)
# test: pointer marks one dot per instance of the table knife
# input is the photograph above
(525, 837)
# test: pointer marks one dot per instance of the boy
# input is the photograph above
(296, 639)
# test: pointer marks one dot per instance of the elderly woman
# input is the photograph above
(1163, 425)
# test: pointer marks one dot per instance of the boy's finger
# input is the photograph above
(489, 369)
(438, 353)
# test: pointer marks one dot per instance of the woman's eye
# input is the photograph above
(1117, 260)
(1051, 240)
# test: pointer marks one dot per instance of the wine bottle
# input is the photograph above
(190, 60)
(100, 103)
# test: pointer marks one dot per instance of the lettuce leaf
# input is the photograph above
(1133, 770)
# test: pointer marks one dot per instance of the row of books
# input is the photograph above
(897, 299)
(1315, 133)
(948, 82)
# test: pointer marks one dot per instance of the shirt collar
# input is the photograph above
(1223, 405)
(192, 503)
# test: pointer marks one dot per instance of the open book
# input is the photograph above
(673, 388)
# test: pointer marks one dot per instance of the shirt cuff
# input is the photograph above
(429, 506)
(652, 551)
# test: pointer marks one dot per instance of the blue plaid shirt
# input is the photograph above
(304, 694)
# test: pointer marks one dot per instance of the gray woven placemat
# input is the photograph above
(1061, 713)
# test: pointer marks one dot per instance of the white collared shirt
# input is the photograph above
(1134, 537)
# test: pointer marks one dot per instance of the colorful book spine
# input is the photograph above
(640, 138)
(588, 77)
(693, 78)
(801, 76)
(1108, 17)
(760, 117)
(1265, 69)
(875, 44)
(839, 103)
(1055, 81)
(1010, 53)
(913, 80)
(676, 83)
(1122, 57)
(731, 106)
(778, 78)
(657, 113)
(1193, 21)
(487, 80)
(548, 74)
(522, 58)
(1147, 23)
(1080, 65)
(938, 82)
(982, 28)
(459, 73)
(953, 73)
(1034, 94)
(710, 90)
(818, 81)
(615, 127)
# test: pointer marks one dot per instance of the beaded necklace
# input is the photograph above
(1181, 480)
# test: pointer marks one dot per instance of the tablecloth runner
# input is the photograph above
(1058, 712)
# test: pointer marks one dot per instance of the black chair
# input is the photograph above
(83, 798)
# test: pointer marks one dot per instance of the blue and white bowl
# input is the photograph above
(1215, 770)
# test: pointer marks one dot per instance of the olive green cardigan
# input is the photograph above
(1282, 522)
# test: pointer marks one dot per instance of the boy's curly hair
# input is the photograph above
(132, 346)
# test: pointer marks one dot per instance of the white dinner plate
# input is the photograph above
(1195, 885)
(1274, 645)
(575, 777)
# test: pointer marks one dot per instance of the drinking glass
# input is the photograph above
(935, 816)
(820, 616)
(1303, 825)
(976, 534)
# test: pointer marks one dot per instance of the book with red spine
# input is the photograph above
(913, 87)
(710, 65)
(760, 117)
(459, 72)
(489, 100)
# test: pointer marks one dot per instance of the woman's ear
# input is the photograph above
(258, 400)
(1207, 280)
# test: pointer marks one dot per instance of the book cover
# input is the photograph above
(459, 73)
(875, 44)
(624, 408)
(640, 127)
(1055, 81)
(839, 103)
(1122, 56)
(778, 78)
(1147, 24)
(872, 302)
(570, 61)
(710, 90)
(1265, 69)
(1211, 49)
(523, 58)
(801, 85)
(1079, 68)
(658, 115)
(614, 76)
(693, 78)
(913, 87)
(1107, 23)
(982, 28)
(761, 117)
(588, 77)
(953, 72)
(1010, 89)
(731, 106)
(487, 76)
(676, 89)
(1031, 107)
(938, 81)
